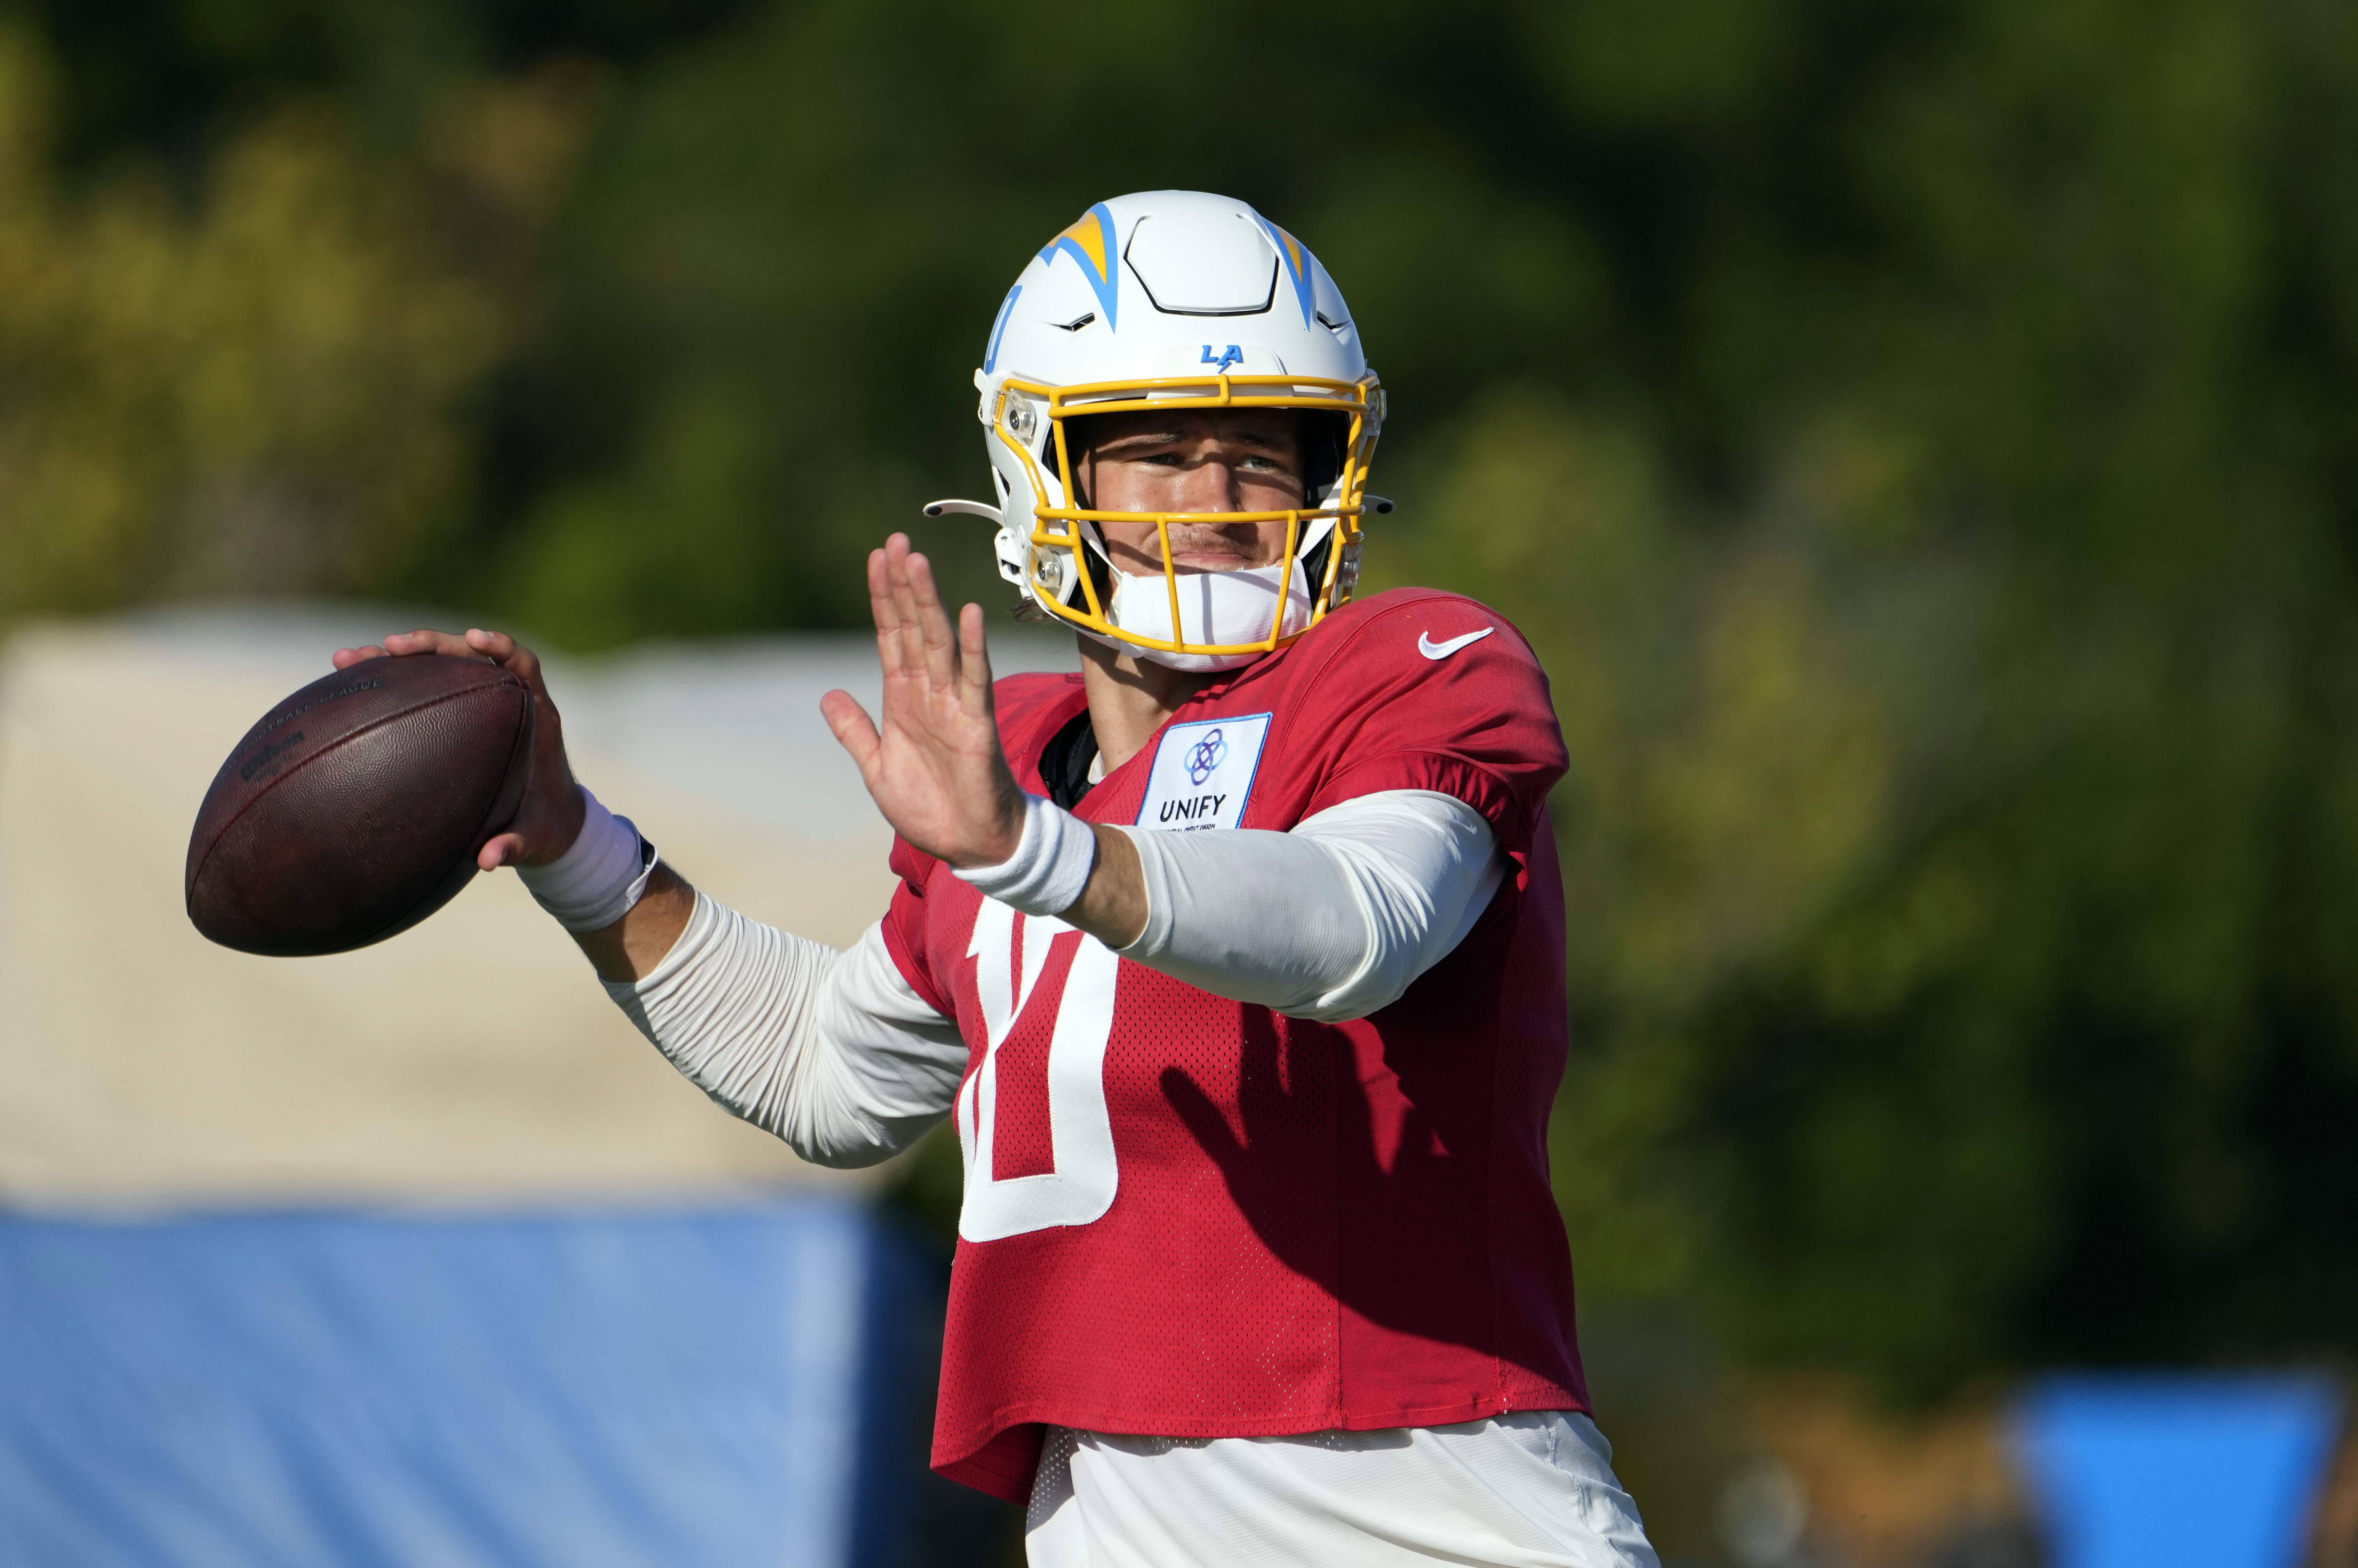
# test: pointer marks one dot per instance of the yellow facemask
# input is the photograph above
(1059, 575)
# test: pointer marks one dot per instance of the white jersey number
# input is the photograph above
(1081, 1187)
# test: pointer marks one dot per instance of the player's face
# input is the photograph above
(1245, 460)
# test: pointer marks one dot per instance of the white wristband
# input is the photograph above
(595, 881)
(1051, 864)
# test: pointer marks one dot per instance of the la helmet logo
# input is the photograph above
(1231, 355)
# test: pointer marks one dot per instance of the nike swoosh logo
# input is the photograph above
(1433, 650)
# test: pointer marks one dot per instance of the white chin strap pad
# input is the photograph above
(1213, 607)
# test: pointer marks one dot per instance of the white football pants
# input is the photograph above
(1529, 1490)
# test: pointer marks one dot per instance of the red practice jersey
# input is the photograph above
(1194, 1218)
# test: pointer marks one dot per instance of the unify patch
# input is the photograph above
(1202, 774)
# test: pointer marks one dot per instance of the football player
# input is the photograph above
(1236, 955)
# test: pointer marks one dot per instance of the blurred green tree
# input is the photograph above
(260, 395)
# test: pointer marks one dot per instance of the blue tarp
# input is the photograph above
(2160, 1470)
(684, 1389)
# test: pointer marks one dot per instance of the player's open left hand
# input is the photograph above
(935, 766)
(550, 817)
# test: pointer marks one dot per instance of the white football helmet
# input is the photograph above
(1174, 299)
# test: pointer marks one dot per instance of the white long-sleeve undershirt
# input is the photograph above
(837, 1055)
(1330, 920)
(832, 1051)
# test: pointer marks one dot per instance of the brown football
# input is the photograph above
(357, 807)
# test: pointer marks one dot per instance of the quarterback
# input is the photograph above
(1236, 956)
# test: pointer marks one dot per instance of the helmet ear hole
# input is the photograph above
(1325, 439)
(1313, 563)
(1076, 444)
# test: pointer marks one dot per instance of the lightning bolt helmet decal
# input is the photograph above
(1091, 242)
